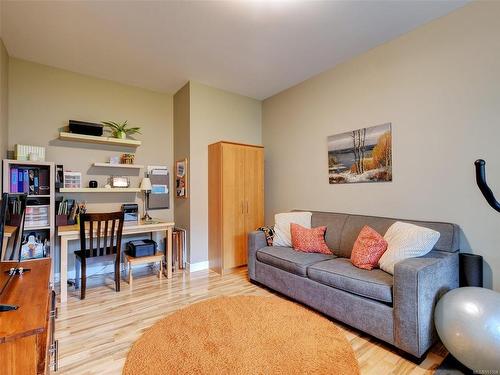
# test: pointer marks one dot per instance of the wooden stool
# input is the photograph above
(131, 261)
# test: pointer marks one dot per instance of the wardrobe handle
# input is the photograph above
(247, 206)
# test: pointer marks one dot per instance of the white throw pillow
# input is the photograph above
(406, 241)
(282, 236)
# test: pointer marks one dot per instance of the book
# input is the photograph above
(26, 184)
(37, 181)
(20, 181)
(13, 180)
(31, 174)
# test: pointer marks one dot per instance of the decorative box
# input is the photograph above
(23, 152)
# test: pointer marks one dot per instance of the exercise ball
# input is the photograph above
(468, 323)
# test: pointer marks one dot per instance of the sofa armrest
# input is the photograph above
(418, 284)
(256, 241)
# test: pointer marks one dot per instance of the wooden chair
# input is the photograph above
(99, 225)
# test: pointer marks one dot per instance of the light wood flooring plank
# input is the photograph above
(96, 334)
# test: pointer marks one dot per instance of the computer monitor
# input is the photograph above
(12, 212)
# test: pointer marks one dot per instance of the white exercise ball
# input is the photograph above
(468, 323)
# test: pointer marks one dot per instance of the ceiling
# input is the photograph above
(254, 48)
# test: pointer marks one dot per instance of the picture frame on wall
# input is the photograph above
(181, 178)
(360, 156)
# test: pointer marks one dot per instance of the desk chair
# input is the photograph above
(99, 225)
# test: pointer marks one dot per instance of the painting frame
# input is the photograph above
(181, 179)
(361, 156)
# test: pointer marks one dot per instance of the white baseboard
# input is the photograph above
(199, 266)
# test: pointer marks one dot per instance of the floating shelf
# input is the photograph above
(34, 227)
(99, 190)
(74, 137)
(109, 165)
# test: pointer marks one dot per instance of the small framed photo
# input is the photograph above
(119, 182)
(181, 178)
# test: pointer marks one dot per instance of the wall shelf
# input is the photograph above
(99, 190)
(109, 165)
(36, 227)
(74, 137)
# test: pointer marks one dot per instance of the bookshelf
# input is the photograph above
(74, 137)
(41, 217)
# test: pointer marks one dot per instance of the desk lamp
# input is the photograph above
(146, 188)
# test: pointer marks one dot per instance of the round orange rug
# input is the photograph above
(242, 335)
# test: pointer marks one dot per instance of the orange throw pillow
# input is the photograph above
(309, 240)
(368, 248)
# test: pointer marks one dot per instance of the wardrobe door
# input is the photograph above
(215, 207)
(254, 190)
(233, 205)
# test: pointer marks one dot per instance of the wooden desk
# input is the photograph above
(26, 333)
(72, 232)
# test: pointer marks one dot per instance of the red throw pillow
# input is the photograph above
(309, 240)
(368, 248)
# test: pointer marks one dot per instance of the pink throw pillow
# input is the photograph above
(309, 240)
(368, 249)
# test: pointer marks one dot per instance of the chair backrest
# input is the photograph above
(101, 226)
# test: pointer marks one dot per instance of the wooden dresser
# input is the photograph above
(235, 201)
(27, 334)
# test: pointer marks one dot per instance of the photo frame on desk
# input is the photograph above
(159, 197)
(181, 178)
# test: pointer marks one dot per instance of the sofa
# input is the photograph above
(397, 309)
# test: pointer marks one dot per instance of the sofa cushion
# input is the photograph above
(341, 274)
(309, 240)
(290, 260)
(368, 249)
(448, 241)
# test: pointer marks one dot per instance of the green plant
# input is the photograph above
(121, 130)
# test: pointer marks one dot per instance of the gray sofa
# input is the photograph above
(396, 309)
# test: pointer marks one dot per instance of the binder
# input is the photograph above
(20, 183)
(26, 184)
(37, 181)
(13, 180)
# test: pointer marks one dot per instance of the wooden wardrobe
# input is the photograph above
(235, 201)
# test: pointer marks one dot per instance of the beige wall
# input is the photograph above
(4, 69)
(439, 86)
(42, 100)
(181, 151)
(215, 115)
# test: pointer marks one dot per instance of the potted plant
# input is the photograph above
(121, 130)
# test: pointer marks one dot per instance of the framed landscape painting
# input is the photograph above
(363, 155)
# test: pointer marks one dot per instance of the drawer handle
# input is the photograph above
(54, 313)
(54, 353)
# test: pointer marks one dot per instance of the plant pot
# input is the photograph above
(120, 135)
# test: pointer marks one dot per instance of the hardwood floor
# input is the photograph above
(96, 334)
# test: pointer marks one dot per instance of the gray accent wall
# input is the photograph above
(439, 87)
